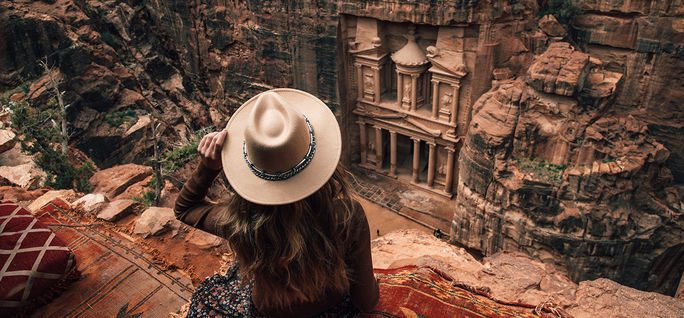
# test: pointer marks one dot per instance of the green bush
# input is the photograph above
(41, 135)
(542, 170)
(111, 39)
(115, 119)
(179, 157)
(147, 198)
(563, 10)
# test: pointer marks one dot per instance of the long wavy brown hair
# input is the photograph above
(293, 252)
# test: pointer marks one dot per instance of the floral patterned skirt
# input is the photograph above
(225, 295)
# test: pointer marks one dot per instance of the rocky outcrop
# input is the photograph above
(66, 195)
(25, 175)
(559, 174)
(515, 277)
(114, 181)
(644, 40)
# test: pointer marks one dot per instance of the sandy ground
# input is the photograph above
(383, 221)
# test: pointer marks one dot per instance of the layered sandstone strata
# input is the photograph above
(550, 167)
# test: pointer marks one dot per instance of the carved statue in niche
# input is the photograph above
(446, 100)
(368, 83)
(407, 92)
(441, 169)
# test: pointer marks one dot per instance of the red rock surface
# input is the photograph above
(515, 277)
(568, 179)
(116, 180)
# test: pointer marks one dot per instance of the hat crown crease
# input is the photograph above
(276, 136)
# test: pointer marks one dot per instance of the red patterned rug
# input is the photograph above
(414, 292)
(118, 278)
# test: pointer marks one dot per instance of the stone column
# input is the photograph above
(393, 153)
(378, 148)
(400, 88)
(435, 98)
(454, 104)
(414, 85)
(376, 73)
(364, 142)
(449, 169)
(359, 80)
(431, 164)
(416, 159)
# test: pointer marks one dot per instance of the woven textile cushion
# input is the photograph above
(32, 258)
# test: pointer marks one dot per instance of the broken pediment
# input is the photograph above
(447, 62)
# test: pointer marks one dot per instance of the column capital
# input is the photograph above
(451, 149)
(415, 139)
(375, 68)
(377, 127)
(431, 143)
(414, 75)
(456, 85)
(361, 123)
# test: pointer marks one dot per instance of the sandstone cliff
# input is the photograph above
(552, 167)
(577, 156)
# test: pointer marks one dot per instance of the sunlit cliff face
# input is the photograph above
(575, 156)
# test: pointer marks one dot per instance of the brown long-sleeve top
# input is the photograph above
(192, 209)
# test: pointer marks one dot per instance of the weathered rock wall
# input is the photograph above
(644, 40)
(552, 167)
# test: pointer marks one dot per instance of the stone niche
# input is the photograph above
(409, 104)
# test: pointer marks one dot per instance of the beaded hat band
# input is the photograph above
(284, 175)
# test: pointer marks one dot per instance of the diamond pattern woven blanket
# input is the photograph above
(118, 278)
(417, 292)
(32, 259)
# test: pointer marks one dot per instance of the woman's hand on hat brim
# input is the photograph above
(210, 147)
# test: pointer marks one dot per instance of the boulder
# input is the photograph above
(90, 202)
(7, 141)
(203, 240)
(561, 70)
(551, 26)
(155, 221)
(25, 175)
(17, 194)
(117, 179)
(116, 210)
(66, 195)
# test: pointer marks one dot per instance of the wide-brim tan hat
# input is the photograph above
(282, 146)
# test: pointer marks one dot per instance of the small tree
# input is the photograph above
(41, 133)
(157, 162)
(62, 107)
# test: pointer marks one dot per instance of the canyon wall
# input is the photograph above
(588, 178)
(575, 156)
